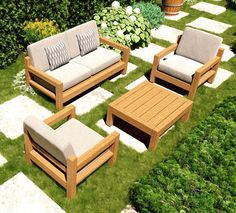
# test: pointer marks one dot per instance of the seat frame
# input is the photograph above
(61, 96)
(76, 168)
(205, 73)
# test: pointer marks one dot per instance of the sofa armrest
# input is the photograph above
(68, 112)
(207, 66)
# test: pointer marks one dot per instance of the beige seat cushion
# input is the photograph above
(98, 60)
(46, 138)
(198, 45)
(180, 67)
(81, 137)
(70, 74)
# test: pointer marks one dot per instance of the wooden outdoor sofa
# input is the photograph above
(70, 152)
(81, 73)
(197, 56)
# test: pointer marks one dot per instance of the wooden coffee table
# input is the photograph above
(151, 109)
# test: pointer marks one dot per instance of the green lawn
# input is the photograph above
(106, 190)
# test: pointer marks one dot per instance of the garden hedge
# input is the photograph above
(66, 13)
(200, 175)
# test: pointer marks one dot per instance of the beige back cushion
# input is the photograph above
(198, 45)
(37, 52)
(46, 138)
(72, 38)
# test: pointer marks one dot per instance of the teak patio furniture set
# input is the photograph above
(65, 65)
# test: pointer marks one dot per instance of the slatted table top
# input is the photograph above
(151, 106)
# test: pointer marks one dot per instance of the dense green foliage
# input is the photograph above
(152, 12)
(200, 175)
(232, 4)
(130, 29)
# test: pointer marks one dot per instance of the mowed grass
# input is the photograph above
(106, 190)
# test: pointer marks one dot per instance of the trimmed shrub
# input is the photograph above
(152, 12)
(200, 174)
(37, 30)
(124, 25)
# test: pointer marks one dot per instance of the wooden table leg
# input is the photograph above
(110, 116)
(154, 140)
(187, 114)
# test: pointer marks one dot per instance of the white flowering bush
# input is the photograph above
(19, 83)
(124, 25)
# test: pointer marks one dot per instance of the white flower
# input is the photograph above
(107, 36)
(115, 4)
(119, 32)
(103, 25)
(132, 18)
(127, 37)
(137, 10)
(129, 10)
(115, 23)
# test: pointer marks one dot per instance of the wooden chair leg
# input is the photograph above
(192, 92)
(71, 172)
(28, 146)
(114, 149)
(152, 77)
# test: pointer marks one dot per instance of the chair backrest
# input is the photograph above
(198, 45)
(44, 136)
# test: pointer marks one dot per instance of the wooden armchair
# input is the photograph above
(69, 153)
(197, 56)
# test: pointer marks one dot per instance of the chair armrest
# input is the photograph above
(115, 45)
(44, 76)
(67, 112)
(211, 63)
(97, 149)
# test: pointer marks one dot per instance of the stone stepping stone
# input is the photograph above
(222, 75)
(19, 194)
(147, 53)
(125, 138)
(131, 67)
(177, 17)
(13, 112)
(91, 100)
(209, 8)
(166, 33)
(228, 53)
(209, 25)
(2, 160)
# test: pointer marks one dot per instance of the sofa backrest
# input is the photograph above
(37, 52)
(74, 49)
(198, 45)
(46, 137)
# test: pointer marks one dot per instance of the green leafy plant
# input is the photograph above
(37, 30)
(152, 12)
(231, 4)
(124, 25)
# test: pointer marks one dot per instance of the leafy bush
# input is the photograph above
(152, 12)
(126, 26)
(231, 4)
(37, 30)
(200, 175)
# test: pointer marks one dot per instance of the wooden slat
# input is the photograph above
(158, 108)
(171, 109)
(43, 89)
(205, 77)
(135, 96)
(93, 165)
(48, 168)
(92, 81)
(172, 118)
(141, 101)
(126, 95)
(150, 104)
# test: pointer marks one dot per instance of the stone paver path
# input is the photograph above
(209, 25)
(177, 17)
(131, 67)
(228, 53)
(21, 195)
(2, 160)
(222, 75)
(91, 100)
(209, 8)
(147, 53)
(13, 112)
(166, 33)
